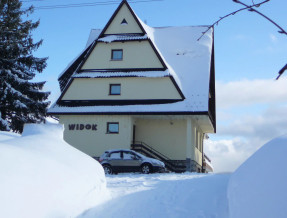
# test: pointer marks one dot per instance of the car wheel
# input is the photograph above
(108, 170)
(146, 169)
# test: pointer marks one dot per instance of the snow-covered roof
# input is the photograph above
(106, 74)
(94, 34)
(189, 62)
(122, 37)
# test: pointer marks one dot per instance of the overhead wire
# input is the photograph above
(87, 4)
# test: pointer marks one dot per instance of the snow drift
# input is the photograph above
(258, 187)
(43, 176)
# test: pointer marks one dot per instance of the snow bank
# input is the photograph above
(165, 196)
(7, 135)
(42, 176)
(258, 188)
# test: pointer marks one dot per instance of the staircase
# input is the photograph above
(177, 166)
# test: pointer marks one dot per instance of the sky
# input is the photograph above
(249, 52)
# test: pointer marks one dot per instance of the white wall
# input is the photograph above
(94, 143)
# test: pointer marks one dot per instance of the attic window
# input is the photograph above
(124, 22)
(117, 55)
(115, 89)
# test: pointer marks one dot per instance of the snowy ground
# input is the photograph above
(44, 177)
(164, 195)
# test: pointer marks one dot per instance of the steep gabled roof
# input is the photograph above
(189, 63)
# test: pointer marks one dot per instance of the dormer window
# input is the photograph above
(115, 89)
(117, 55)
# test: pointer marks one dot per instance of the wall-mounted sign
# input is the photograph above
(83, 126)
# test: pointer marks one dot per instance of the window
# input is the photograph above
(117, 55)
(115, 155)
(112, 128)
(115, 89)
(127, 155)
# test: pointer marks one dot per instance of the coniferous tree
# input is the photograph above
(21, 99)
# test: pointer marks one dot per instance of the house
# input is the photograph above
(149, 89)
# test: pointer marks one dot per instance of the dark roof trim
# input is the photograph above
(177, 87)
(79, 103)
(133, 113)
(115, 76)
(65, 90)
(63, 79)
(87, 55)
(157, 54)
(108, 70)
(123, 40)
(116, 12)
(120, 34)
(212, 101)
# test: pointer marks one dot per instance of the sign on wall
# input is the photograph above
(83, 127)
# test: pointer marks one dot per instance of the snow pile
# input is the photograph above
(164, 195)
(42, 176)
(258, 187)
(7, 136)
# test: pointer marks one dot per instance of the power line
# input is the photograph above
(33, 0)
(88, 4)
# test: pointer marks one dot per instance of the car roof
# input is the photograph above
(115, 150)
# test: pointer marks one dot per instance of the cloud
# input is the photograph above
(249, 114)
(226, 155)
(248, 92)
(269, 124)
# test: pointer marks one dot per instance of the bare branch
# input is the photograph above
(282, 31)
(251, 9)
(281, 71)
(232, 13)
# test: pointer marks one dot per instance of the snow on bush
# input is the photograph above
(43, 176)
(258, 188)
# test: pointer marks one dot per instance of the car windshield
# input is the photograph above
(104, 155)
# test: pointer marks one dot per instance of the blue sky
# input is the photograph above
(251, 106)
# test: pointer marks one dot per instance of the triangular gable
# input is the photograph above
(124, 16)
(119, 18)
(123, 21)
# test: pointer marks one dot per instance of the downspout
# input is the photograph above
(202, 153)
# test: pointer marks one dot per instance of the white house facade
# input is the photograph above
(142, 88)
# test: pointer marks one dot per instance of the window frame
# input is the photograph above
(115, 84)
(111, 132)
(112, 55)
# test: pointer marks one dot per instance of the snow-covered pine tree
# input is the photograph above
(21, 99)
